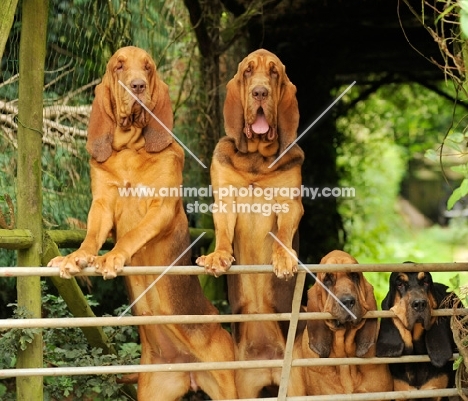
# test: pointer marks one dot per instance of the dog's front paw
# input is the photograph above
(72, 264)
(284, 263)
(110, 264)
(216, 263)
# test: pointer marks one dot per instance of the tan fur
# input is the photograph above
(435, 383)
(347, 339)
(404, 317)
(242, 159)
(149, 231)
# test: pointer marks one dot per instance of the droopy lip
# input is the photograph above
(260, 124)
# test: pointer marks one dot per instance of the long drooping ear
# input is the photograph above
(320, 336)
(233, 112)
(102, 123)
(156, 136)
(367, 335)
(439, 338)
(288, 114)
(389, 342)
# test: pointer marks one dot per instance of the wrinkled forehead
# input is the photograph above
(261, 61)
(413, 279)
(130, 56)
(336, 277)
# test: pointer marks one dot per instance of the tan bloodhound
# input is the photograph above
(343, 336)
(130, 150)
(256, 179)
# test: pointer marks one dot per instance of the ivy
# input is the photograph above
(67, 347)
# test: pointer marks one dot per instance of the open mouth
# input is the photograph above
(260, 126)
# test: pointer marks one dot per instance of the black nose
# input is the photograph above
(349, 301)
(260, 92)
(419, 305)
(137, 85)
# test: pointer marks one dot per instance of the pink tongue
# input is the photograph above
(260, 125)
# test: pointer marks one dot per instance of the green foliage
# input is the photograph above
(435, 244)
(370, 162)
(3, 390)
(380, 135)
(464, 17)
(453, 155)
(66, 186)
(451, 24)
(15, 339)
(68, 347)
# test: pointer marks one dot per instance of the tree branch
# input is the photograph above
(199, 26)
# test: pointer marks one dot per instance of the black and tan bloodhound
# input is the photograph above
(412, 296)
(130, 150)
(343, 336)
(259, 188)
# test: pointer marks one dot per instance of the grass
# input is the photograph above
(435, 244)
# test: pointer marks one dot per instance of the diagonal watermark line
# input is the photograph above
(162, 274)
(162, 124)
(314, 276)
(311, 125)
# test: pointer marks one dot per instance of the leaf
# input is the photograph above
(464, 23)
(462, 169)
(455, 281)
(446, 12)
(463, 5)
(464, 187)
(457, 362)
(454, 198)
(456, 146)
(456, 137)
(432, 155)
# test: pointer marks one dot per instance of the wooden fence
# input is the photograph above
(293, 318)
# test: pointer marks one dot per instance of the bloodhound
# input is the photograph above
(131, 150)
(256, 186)
(343, 295)
(413, 331)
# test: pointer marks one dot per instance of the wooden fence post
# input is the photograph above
(29, 179)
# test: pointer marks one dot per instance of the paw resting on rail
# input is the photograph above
(284, 263)
(216, 263)
(110, 264)
(72, 264)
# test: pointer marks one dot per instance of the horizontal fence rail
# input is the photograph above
(371, 396)
(245, 269)
(187, 319)
(193, 319)
(202, 366)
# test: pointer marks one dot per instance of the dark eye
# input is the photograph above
(248, 71)
(401, 285)
(119, 66)
(329, 279)
(355, 277)
(274, 72)
(147, 66)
